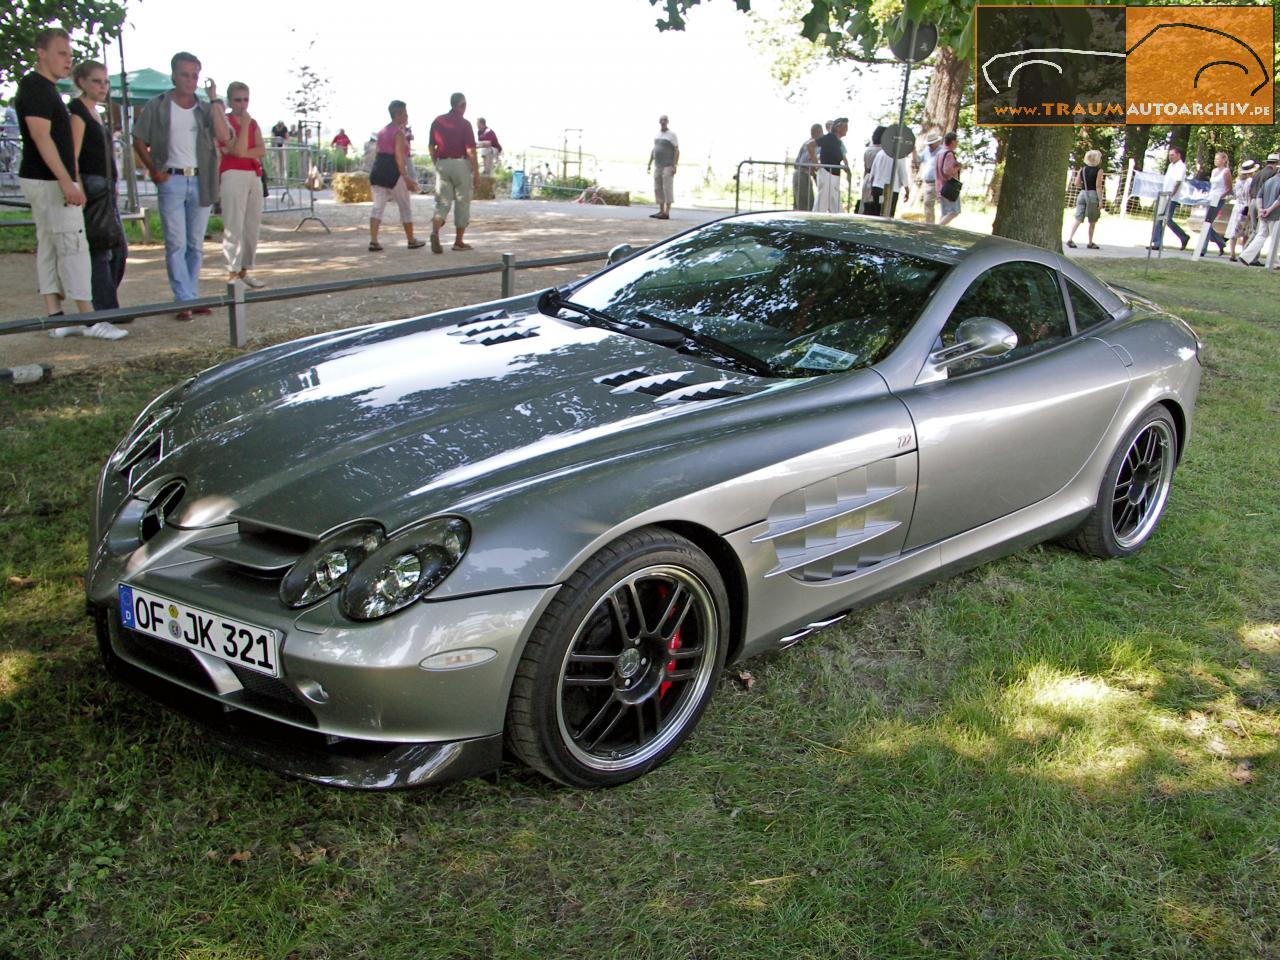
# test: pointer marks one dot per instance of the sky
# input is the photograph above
(532, 70)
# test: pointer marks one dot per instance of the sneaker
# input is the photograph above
(59, 332)
(249, 280)
(104, 330)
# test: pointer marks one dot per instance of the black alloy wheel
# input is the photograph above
(622, 664)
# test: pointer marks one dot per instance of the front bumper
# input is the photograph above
(384, 722)
(333, 761)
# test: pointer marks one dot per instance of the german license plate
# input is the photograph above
(252, 647)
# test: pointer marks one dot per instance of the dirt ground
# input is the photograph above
(309, 255)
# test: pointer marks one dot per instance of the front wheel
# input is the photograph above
(622, 664)
(1134, 489)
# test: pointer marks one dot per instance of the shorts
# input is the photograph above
(1087, 205)
(663, 180)
(400, 194)
(62, 249)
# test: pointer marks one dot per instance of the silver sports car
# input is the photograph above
(541, 527)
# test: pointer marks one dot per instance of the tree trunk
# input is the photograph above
(1031, 203)
(997, 174)
(1180, 136)
(1136, 139)
(946, 89)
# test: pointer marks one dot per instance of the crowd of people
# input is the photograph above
(198, 152)
(822, 164)
(1255, 211)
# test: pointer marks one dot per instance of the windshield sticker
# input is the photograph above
(820, 357)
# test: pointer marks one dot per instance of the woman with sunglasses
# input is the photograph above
(96, 161)
(240, 172)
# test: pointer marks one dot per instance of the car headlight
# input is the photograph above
(405, 568)
(329, 564)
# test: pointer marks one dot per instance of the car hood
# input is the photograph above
(398, 421)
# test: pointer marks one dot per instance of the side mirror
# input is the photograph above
(620, 252)
(976, 337)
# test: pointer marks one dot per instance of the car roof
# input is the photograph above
(944, 244)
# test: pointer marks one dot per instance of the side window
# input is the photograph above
(1088, 312)
(1024, 295)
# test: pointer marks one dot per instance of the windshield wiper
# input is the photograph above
(552, 300)
(720, 348)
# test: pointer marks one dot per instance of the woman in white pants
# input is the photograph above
(240, 173)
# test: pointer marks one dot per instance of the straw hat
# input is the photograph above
(932, 138)
(1249, 166)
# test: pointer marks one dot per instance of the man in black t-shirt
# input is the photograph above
(831, 161)
(48, 179)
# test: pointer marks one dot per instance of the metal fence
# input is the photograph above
(237, 298)
(771, 185)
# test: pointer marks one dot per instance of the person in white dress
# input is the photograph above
(1237, 226)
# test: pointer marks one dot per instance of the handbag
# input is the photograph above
(102, 226)
(950, 190)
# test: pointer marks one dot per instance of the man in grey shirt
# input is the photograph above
(1268, 234)
(663, 159)
(176, 139)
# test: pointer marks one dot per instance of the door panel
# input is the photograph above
(1003, 438)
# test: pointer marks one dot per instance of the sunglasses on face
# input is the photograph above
(239, 99)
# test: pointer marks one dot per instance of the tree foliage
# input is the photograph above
(311, 96)
(88, 21)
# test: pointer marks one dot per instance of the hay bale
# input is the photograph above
(352, 188)
(616, 198)
(486, 189)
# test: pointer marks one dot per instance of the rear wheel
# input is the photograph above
(1134, 489)
(621, 666)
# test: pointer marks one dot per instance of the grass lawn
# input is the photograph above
(23, 239)
(1050, 756)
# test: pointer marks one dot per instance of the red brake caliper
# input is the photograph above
(673, 645)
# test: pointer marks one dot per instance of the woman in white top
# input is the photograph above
(1238, 225)
(1219, 187)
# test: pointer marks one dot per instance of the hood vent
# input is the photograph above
(667, 387)
(490, 329)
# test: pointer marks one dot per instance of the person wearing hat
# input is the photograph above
(1237, 226)
(1091, 183)
(928, 160)
(1268, 218)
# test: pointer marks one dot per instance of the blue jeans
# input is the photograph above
(1210, 215)
(1157, 232)
(184, 223)
(107, 268)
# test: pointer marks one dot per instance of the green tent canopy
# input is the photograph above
(143, 85)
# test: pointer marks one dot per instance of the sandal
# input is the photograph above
(1093, 246)
(435, 244)
(415, 244)
(374, 247)
(462, 246)
(1071, 244)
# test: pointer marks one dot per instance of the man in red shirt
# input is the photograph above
(489, 146)
(342, 141)
(453, 150)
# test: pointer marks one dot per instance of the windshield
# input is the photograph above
(800, 302)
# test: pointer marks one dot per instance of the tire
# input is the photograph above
(1134, 489)
(620, 667)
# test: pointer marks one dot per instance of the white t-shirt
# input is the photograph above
(182, 136)
(1176, 174)
(880, 168)
(1217, 185)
